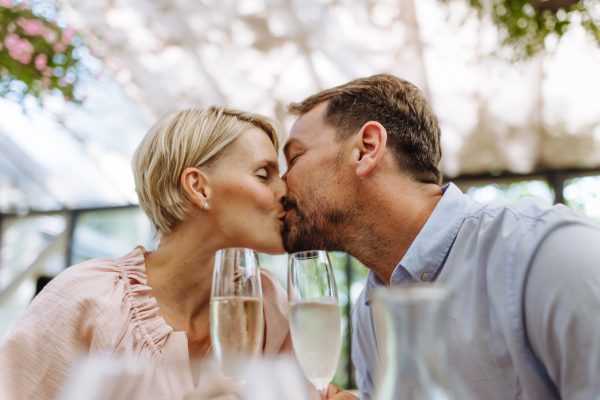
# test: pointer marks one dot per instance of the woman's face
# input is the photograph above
(247, 194)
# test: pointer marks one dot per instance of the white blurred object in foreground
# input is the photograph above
(106, 378)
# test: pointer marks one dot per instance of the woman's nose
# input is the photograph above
(281, 191)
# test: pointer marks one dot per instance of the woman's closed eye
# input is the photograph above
(262, 173)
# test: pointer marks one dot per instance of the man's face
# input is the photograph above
(319, 186)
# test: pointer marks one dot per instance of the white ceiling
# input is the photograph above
(260, 55)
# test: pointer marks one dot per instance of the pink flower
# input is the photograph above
(19, 49)
(59, 47)
(41, 61)
(12, 41)
(48, 71)
(68, 35)
(46, 82)
(31, 27)
(49, 34)
(6, 3)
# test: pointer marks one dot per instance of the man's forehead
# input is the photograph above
(308, 128)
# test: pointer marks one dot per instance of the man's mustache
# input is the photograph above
(290, 204)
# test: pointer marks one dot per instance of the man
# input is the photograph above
(363, 178)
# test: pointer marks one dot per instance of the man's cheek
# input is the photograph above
(298, 179)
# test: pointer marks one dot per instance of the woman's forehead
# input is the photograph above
(254, 145)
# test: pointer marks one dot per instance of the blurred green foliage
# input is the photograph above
(350, 277)
(509, 193)
(583, 194)
(525, 24)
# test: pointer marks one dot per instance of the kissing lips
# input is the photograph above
(282, 217)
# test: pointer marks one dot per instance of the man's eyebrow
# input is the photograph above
(290, 142)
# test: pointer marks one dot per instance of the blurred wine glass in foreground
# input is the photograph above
(276, 379)
(410, 326)
(114, 378)
(120, 378)
(236, 310)
(314, 314)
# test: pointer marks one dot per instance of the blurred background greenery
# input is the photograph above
(525, 25)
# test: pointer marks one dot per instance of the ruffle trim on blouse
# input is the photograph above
(149, 326)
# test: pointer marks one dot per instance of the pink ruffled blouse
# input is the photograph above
(104, 305)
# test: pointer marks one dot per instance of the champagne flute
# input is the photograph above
(315, 321)
(236, 311)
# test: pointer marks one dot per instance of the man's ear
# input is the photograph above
(195, 184)
(370, 146)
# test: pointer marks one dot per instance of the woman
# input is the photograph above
(207, 179)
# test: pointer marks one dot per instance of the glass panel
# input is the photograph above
(72, 172)
(508, 193)
(15, 306)
(110, 234)
(19, 192)
(583, 194)
(23, 241)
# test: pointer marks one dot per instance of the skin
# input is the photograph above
(350, 196)
(244, 193)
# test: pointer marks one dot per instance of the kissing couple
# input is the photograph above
(362, 177)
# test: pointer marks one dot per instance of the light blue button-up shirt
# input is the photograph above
(525, 319)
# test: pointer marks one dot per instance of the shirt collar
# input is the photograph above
(427, 252)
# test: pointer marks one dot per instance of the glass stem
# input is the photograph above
(322, 393)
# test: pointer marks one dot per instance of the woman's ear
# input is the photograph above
(195, 184)
(370, 146)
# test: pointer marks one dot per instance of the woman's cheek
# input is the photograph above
(265, 201)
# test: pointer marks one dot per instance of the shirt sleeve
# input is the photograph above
(562, 310)
(364, 347)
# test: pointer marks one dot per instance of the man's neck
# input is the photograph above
(396, 215)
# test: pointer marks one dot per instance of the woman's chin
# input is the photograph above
(275, 249)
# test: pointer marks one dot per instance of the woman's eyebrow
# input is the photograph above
(270, 163)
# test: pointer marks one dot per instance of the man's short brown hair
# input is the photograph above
(398, 105)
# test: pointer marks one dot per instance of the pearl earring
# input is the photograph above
(205, 206)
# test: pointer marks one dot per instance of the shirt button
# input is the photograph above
(425, 276)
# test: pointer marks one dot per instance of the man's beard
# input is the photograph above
(323, 228)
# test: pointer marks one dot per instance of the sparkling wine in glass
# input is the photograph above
(314, 313)
(236, 311)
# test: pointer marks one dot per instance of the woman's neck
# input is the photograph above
(180, 274)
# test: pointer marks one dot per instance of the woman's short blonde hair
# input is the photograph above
(183, 139)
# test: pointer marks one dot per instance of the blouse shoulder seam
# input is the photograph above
(125, 275)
